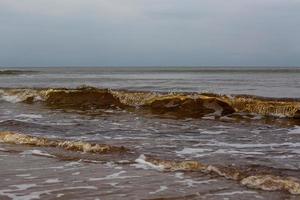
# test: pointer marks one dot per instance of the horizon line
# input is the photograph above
(146, 66)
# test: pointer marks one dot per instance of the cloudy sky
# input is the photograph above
(149, 32)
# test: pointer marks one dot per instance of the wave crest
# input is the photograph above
(85, 98)
(275, 107)
(249, 178)
(16, 138)
(252, 177)
(176, 104)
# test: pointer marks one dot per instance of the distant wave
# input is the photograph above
(16, 72)
(190, 105)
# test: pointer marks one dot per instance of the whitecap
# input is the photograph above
(142, 163)
(32, 116)
(296, 130)
(225, 151)
(36, 195)
(53, 180)
(192, 183)
(113, 176)
(213, 132)
(11, 99)
(235, 193)
(249, 145)
(37, 152)
(179, 175)
(23, 175)
(196, 151)
(24, 186)
(161, 189)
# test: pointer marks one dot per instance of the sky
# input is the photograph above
(149, 33)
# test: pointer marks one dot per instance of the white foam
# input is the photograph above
(256, 131)
(32, 116)
(37, 195)
(179, 175)
(296, 130)
(249, 145)
(2, 149)
(113, 176)
(24, 186)
(123, 161)
(189, 151)
(60, 123)
(38, 168)
(116, 124)
(166, 146)
(71, 164)
(208, 117)
(161, 189)
(257, 117)
(222, 127)
(235, 193)
(113, 184)
(212, 132)
(112, 165)
(23, 175)
(53, 180)
(37, 152)
(225, 151)
(281, 157)
(142, 163)
(10, 98)
(296, 151)
(192, 183)
(226, 118)
(218, 109)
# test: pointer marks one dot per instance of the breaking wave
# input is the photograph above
(266, 106)
(194, 105)
(16, 138)
(251, 178)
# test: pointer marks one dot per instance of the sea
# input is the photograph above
(97, 133)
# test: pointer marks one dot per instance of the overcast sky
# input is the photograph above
(149, 32)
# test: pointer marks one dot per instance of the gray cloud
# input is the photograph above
(149, 32)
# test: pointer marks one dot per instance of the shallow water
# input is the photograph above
(152, 167)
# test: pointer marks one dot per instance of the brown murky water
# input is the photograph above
(93, 143)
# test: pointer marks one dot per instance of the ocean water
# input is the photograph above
(150, 133)
(262, 81)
